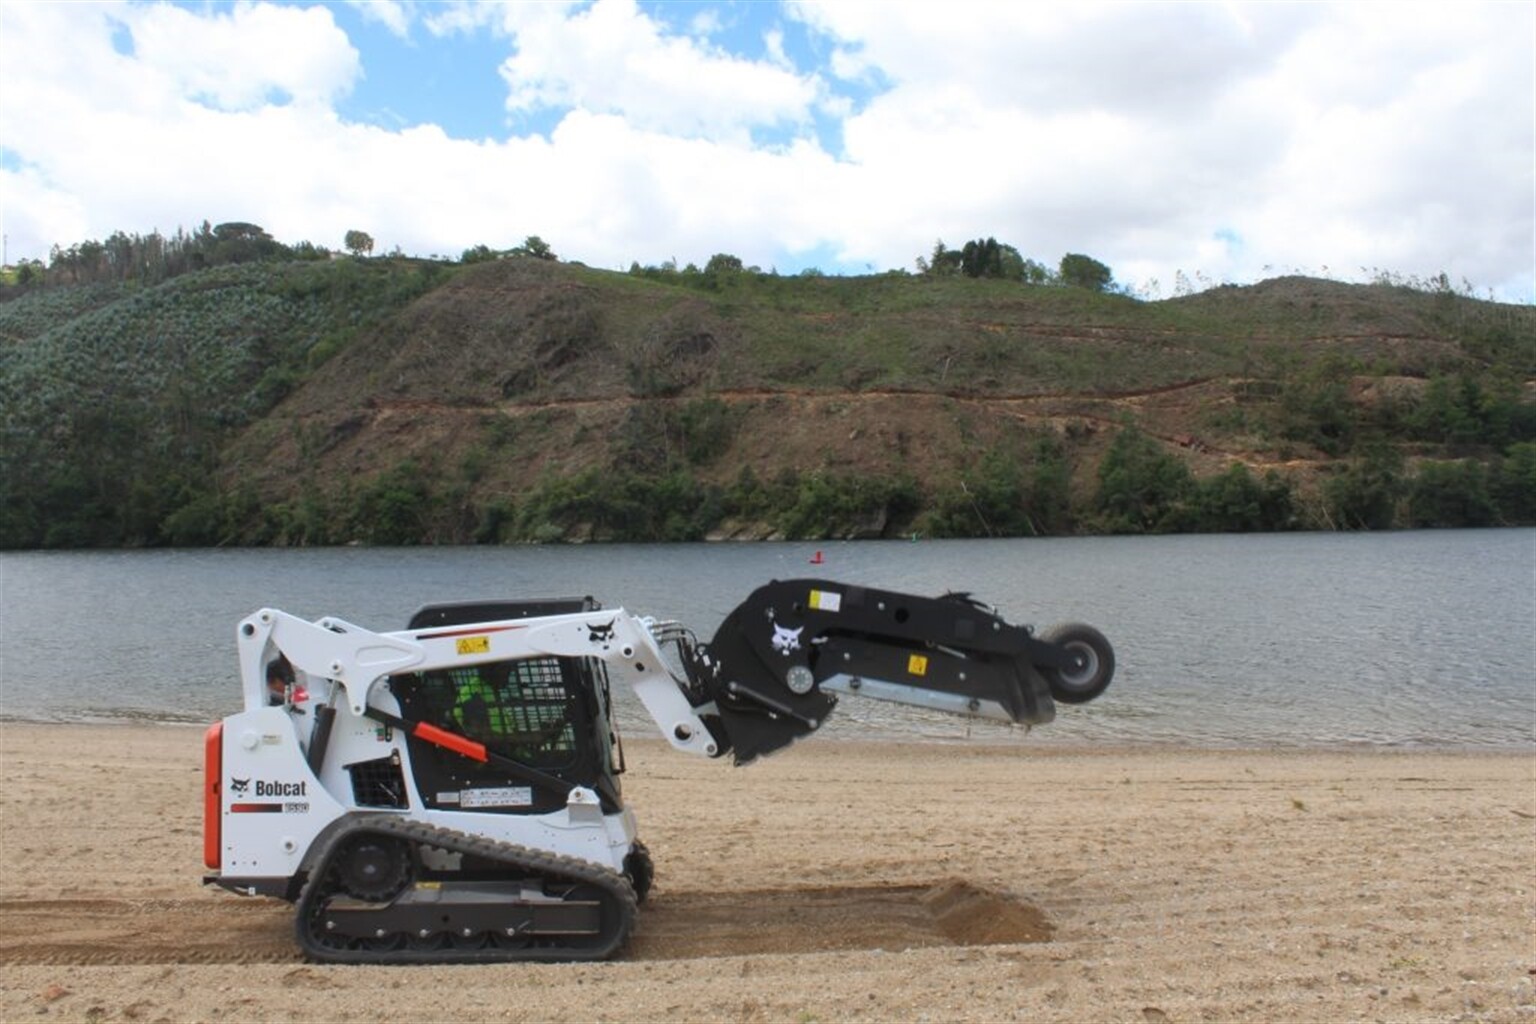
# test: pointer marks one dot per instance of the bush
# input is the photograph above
(1004, 495)
(825, 506)
(608, 504)
(1450, 494)
(1316, 407)
(1364, 496)
(1467, 409)
(1142, 488)
(393, 509)
(1236, 502)
(1512, 485)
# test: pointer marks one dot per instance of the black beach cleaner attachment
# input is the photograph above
(778, 662)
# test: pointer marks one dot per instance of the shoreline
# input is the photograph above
(1044, 743)
(847, 881)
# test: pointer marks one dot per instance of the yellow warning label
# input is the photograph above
(474, 645)
(826, 600)
(917, 665)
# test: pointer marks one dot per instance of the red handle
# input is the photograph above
(449, 741)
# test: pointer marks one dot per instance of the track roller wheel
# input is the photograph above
(374, 867)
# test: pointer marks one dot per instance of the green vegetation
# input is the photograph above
(1141, 490)
(113, 419)
(1084, 272)
(1007, 493)
(358, 243)
(220, 387)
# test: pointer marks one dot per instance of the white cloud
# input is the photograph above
(706, 22)
(1212, 138)
(395, 15)
(239, 60)
(610, 58)
(1322, 135)
(465, 16)
(1058, 57)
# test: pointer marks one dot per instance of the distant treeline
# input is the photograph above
(1138, 489)
(153, 258)
(978, 258)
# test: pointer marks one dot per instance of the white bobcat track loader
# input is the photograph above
(450, 792)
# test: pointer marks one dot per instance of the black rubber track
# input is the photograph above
(617, 894)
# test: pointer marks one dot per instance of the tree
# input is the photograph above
(1316, 407)
(307, 250)
(1512, 484)
(240, 242)
(981, 258)
(1450, 494)
(28, 271)
(1035, 273)
(536, 247)
(1233, 501)
(1084, 272)
(1142, 488)
(1364, 496)
(723, 263)
(358, 243)
(1010, 263)
(943, 263)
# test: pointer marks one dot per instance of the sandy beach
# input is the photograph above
(847, 881)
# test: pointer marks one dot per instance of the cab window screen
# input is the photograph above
(519, 709)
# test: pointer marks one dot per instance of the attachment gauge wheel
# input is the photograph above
(1092, 668)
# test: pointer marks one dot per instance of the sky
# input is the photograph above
(1182, 144)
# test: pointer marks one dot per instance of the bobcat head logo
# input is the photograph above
(601, 634)
(786, 640)
(239, 785)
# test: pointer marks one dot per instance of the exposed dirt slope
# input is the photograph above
(520, 369)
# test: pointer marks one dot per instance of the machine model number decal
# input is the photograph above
(501, 796)
(286, 807)
(826, 600)
(473, 644)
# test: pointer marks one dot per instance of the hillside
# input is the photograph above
(399, 401)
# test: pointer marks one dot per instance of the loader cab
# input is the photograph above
(551, 714)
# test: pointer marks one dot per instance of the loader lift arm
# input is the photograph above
(778, 662)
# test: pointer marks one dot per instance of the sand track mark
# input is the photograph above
(672, 925)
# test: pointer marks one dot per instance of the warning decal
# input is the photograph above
(473, 644)
(917, 665)
(826, 600)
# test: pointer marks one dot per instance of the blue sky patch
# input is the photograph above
(453, 83)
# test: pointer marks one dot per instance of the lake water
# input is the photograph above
(1418, 639)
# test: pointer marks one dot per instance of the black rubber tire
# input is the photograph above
(1082, 685)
